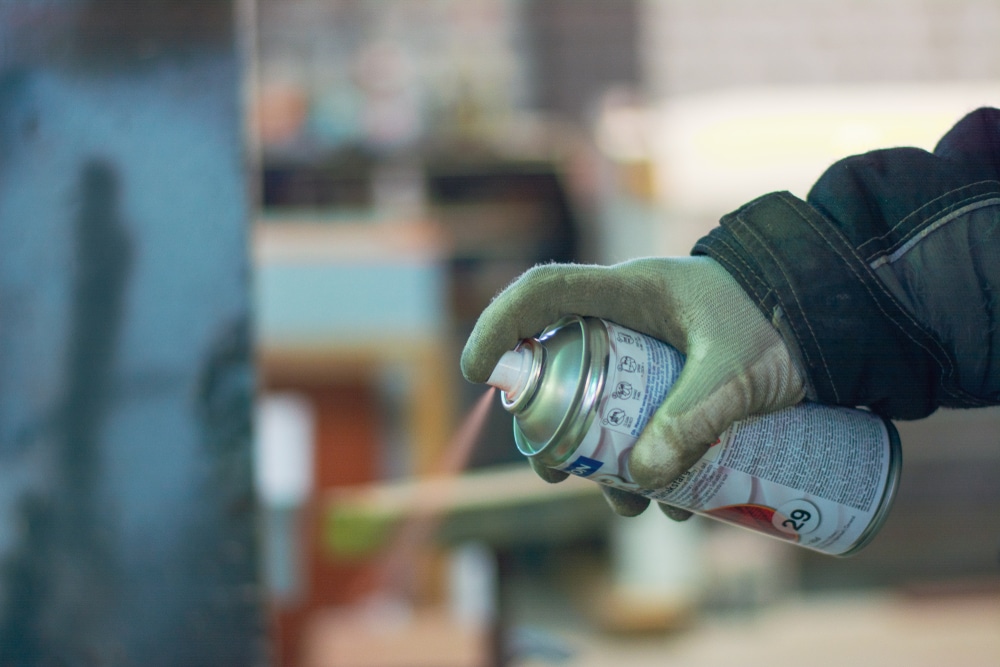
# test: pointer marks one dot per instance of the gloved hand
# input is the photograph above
(737, 364)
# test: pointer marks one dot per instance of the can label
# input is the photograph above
(810, 474)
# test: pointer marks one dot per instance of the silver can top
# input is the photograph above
(558, 393)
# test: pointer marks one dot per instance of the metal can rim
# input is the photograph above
(578, 419)
(888, 494)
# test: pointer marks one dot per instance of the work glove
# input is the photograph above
(737, 364)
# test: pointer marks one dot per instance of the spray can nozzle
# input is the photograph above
(516, 374)
(513, 372)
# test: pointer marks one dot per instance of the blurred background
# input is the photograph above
(241, 246)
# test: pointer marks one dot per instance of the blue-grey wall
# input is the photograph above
(127, 532)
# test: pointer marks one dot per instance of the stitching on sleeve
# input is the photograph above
(938, 355)
(927, 230)
(743, 269)
(945, 212)
(798, 303)
(907, 217)
(941, 357)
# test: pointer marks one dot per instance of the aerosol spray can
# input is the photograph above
(822, 477)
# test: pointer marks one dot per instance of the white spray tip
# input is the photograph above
(512, 372)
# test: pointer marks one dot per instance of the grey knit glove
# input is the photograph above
(737, 363)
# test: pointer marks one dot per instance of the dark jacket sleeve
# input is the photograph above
(885, 281)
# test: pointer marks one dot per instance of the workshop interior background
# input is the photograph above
(242, 243)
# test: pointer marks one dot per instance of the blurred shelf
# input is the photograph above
(317, 236)
(499, 505)
(323, 287)
(342, 300)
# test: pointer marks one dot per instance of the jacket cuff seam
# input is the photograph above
(782, 302)
(855, 263)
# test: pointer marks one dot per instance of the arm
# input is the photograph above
(877, 290)
(882, 282)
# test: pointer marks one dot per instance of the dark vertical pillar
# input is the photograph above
(127, 531)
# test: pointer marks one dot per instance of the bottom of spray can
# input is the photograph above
(888, 494)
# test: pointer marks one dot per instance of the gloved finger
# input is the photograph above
(620, 293)
(550, 475)
(532, 302)
(624, 503)
(621, 502)
(675, 513)
(637, 294)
